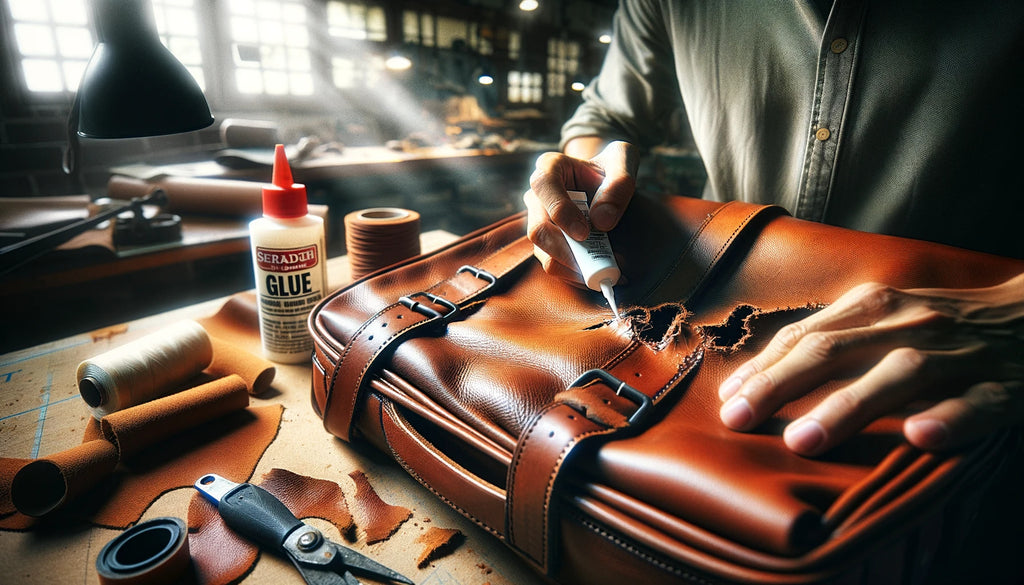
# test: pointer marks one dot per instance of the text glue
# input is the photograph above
(290, 266)
(594, 256)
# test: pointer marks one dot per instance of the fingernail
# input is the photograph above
(931, 434)
(804, 436)
(736, 413)
(729, 387)
(604, 216)
(579, 231)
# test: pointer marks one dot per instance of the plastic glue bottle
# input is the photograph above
(290, 266)
(594, 256)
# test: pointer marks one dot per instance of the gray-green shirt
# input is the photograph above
(891, 116)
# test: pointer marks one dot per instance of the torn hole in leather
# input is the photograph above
(731, 334)
(747, 321)
(659, 326)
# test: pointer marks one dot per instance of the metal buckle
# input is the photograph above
(643, 401)
(480, 273)
(453, 310)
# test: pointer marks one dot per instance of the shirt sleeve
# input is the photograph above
(636, 89)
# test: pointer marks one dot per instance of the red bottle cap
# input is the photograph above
(284, 199)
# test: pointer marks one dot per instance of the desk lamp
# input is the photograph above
(132, 87)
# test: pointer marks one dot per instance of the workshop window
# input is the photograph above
(359, 22)
(525, 87)
(178, 28)
(450, 30)
(54, 42)
(418, 28)
(514, 45)
(349, 73)
(563, 62)
(270, 42)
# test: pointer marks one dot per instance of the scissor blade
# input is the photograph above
(367, 566)
(319, 575)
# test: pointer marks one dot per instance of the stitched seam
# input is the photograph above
(381, 347)
(415, 475)
(549, 488)
(721, 250)
(341, 360)
(689, 246)
(514, 469)
(606, 534)
(691, 359)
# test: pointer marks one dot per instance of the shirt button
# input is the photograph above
(839, 45)
(822, 134)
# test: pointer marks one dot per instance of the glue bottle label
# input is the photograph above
(289, 282)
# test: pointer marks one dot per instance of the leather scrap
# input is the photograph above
(120, 499)
(377, 518)
(438, 543)
(309, 497)
(43, 485)
(229, 359)
(237, 322)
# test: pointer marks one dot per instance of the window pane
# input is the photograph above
(73, 72)
(448, 30)
(410, 27)
(35, 40)
(29, 10)
(42, 75)
(271, 40)
(69, 11)
(74, 42)
(249, 81)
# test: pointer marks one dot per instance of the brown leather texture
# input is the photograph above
(472, 382)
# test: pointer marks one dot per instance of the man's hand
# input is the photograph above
(610, 177)
(960, 351)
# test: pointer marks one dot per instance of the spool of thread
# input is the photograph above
(153, 552)
(145, 369)
(379, 237)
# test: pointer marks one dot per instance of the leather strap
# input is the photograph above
(561, 427)
(399, 321)
(703, 253)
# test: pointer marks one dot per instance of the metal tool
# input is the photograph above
(256, 514)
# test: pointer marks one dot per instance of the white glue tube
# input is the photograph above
(594, 256)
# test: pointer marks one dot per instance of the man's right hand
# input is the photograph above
(610, 177)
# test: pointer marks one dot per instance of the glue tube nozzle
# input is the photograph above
(284, 198)
(282, 170)
(609, 295)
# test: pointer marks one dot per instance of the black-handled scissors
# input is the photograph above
(256, 514)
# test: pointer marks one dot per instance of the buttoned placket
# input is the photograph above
(837, 60)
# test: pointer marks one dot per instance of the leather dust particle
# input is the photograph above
(437, 543)
(378, 519)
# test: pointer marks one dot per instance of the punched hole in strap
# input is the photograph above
(642, 401)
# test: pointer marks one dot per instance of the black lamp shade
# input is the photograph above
(133, 86)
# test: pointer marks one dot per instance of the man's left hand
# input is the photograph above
(960, 351)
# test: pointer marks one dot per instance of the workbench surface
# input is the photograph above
(41, 412)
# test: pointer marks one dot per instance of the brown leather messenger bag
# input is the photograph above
(592, 446)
